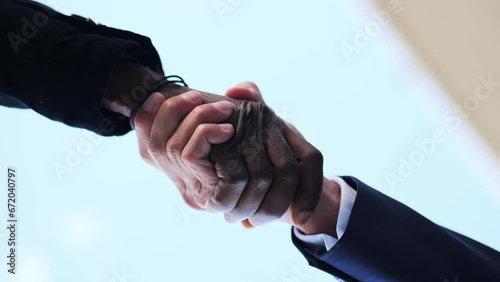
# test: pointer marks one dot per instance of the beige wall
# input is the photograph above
(459, 41)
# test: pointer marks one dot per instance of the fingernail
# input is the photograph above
(304, 217)
(150, 103)
(192, 96)
(224, 106)
(226, 127)
(246, 223)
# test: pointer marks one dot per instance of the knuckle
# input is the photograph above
(227, 194)
(174, 149)
(288, 167)
(264, 178)
(202, 129)
(156, 150)
(172, 103)
(144, 153)
(237, 182)
(200, 132)
(197, 188)
(199, 112)
(235, 172)
(289, 172)
(314, 155)
(218, 201)
(187, 156)
(221, 203)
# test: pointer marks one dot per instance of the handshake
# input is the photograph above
(232, 154)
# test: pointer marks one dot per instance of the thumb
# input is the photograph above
(245, 91)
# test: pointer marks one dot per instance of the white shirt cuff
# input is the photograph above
(326, 242)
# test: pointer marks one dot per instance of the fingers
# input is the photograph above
(256, 160)
(198, 148)
(205, 185)
(245, 91)
(207, 113)
(196, 153)
(310, 185)
(232, 173)
(144, 120)
(286, 179)
(246, 223)
(260, 177)
(155, 128)
(168, 118)
(233, 178)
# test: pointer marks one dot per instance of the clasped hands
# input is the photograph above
(232, 154)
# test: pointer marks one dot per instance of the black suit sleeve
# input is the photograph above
(387, 241)
(59, 65)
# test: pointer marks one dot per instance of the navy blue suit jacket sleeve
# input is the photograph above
(387, 241)
(60, 65)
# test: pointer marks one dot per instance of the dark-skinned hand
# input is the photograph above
(250, 166)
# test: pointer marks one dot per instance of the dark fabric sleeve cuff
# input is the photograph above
(84, 107)
(388, 241)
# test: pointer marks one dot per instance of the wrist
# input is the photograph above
(324, 218)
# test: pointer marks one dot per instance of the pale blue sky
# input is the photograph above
(113, 213)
